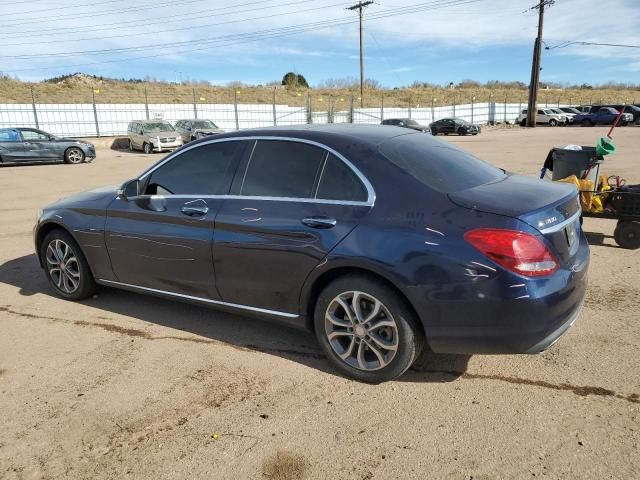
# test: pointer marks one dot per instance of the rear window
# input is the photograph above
(442, 167)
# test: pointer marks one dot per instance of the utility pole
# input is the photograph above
(360, 7)
(535, 66)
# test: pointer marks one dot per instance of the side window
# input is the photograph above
(204, 170)
(30, 135)
(339, 182)
(9, 135)
(541, 112)
(282, 169)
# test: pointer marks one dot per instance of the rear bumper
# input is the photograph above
(503, 315)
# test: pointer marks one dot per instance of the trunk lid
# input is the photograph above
(551, 208)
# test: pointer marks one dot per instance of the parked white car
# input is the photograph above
(544, 116)
(568, 116)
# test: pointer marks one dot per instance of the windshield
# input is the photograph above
(461, 120)
(439, 166)
(203, 124)
(571, 110)
(157, 127)
(413, 123)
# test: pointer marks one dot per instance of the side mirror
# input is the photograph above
(188, 128)
(129, 189)
(52, 138)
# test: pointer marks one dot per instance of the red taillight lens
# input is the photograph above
(517, 251)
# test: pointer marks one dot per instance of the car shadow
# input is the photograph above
(597, 239)
(209, 324)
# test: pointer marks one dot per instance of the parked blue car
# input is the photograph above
(381, 240)
(604, 115)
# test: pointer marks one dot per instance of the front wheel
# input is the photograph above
(523, 123)
(148, 148)
(367, 331)
(462, 131)
(66, 267)
(74, 155)
(434, 132)
(553, 123)
(627, 234)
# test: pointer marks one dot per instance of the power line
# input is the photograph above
(382, 14)
(127, 24)
(571, 43)
(191, 27)
(249, 37)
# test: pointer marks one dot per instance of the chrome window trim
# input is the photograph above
(371, 196)
(199, 299)
(562, 224)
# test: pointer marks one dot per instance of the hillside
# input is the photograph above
(81, 88)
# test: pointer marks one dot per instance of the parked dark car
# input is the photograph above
(33, 145)
(406, 123)
(380, 240)
(602, 115)
(454, 125)
(632, 109)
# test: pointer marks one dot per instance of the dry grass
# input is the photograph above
(285, 466)
(113, 91)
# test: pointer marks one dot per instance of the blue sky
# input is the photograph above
(437, 42)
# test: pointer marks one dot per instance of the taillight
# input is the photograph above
(519, 252)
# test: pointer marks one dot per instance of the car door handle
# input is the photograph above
(195, 211)
(319, 222)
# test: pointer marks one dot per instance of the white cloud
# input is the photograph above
(459, 30)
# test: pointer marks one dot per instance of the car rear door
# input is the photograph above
(11, 146)
(294, 202)
(162, 238)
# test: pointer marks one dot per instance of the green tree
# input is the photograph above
(292, 80)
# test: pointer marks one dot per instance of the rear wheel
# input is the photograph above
(65, 266)
(73, 155)
(434, 131)
(148, 148)
(366, 329)
(627, 234)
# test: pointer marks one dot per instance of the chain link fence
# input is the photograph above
(93, 111)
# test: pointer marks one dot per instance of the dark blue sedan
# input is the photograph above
(382, 240)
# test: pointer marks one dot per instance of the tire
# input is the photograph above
(74, 155)
(148, 148)
(627, 234)
(66, 267)
(462, 132)
(434, 132)
(523, 123)
(624, 124)
(398, 328)
(553, 122)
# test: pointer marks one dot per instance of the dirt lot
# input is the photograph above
(125, 385)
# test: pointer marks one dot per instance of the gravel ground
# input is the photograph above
(125, 385)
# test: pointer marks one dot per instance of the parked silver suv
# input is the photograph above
(153, 136)
(194, 129)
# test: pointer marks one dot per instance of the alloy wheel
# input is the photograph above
(63, 266)
(75, 155)
(361, 331)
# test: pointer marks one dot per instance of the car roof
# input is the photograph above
(370, 134)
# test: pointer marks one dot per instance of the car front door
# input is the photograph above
(38, 145)
(11, 146)
(162, 238)
(293, 203)
(449, 126)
